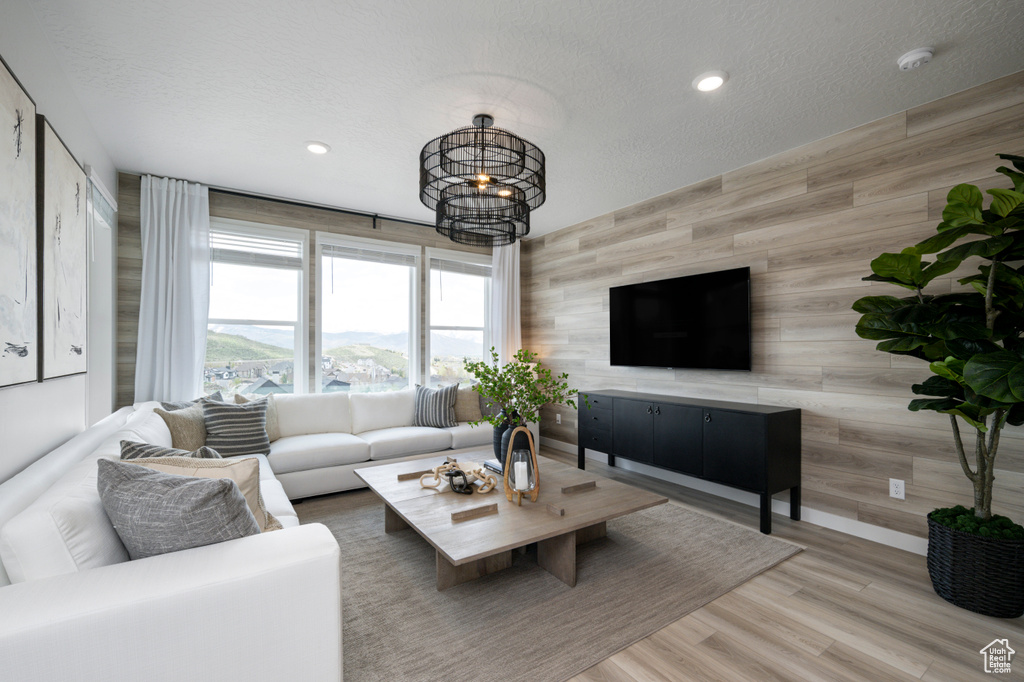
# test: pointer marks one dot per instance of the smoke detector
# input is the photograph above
(915, 58)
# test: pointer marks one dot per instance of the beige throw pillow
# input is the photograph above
(188, 430)
(467, 405)
(273, 425)
(244, 472)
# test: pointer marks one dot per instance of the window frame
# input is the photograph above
(247, 228)
(465, 257)
(415, 329)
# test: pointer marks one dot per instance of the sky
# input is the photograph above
(358, 296)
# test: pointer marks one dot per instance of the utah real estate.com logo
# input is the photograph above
(997, 656)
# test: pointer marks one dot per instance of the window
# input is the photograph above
(368, 310)
(458, 314)
(256, 337)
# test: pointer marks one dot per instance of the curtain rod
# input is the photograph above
(290, 202)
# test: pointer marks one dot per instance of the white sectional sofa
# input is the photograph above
(326, 437)
(263, 607)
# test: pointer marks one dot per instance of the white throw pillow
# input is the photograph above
(384, 410)
(298, 415)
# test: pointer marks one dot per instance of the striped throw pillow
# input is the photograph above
(133, 450)
(435, 406)
(235, 430)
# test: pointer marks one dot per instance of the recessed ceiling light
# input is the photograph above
(318, 147)
(712, 80)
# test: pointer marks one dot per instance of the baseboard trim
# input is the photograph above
(867, 531)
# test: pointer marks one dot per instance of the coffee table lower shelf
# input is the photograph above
(555, 555)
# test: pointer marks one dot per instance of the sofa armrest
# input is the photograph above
(264, 607)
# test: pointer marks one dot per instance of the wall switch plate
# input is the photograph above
(897, 489)
(558, 418)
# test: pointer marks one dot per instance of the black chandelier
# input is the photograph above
(482, 182)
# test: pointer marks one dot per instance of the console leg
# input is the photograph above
(794, 503)
(766, 513)
(581, 457)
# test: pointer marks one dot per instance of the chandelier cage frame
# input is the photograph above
(482, 182)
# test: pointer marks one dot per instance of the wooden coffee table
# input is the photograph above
(470, 548)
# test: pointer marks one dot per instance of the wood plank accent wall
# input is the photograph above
(257, 210)
(807, 222)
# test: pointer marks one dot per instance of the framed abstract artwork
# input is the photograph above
(63, 250)
(19, 302)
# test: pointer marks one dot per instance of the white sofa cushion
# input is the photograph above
(276, 501)
(64, 531)
(317, 450)
(313, 413)
(466, 436)
(406, 440)
(384, 410)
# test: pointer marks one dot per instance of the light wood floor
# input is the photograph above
(843, 609)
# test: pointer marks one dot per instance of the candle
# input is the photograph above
(522, 480)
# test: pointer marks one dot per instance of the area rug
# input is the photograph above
(654, 567)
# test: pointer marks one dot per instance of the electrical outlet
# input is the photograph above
(558, 418)
(897, 489)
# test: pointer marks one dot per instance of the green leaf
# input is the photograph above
(939, 386)
(902, 267)
(951, 368)
(1017, 178)
(967, 416)
(1004, 201)
(965, 349)
(960, 323)
(878, 304)
(966, 194)
(937, 404)
(958, 213)
(999, 376)
(986, 248)
(939, 268)
(902, 344)
(938, 242)
(1017, 161)
(1015, 415)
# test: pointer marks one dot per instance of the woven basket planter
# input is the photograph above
(984, 575)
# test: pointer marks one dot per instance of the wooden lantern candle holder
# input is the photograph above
(519, 492)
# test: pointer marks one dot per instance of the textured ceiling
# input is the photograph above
(227, 92)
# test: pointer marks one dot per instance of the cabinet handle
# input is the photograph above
(594, 438)
(595, 418)
(707, 418)
(649, 410)
(657, 410)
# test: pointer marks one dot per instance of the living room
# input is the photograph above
(795, 147)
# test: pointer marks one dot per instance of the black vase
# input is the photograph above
(499, 441)
(522, 442)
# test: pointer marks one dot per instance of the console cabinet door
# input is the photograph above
(734, 449)
(678, 438)
(633, 432)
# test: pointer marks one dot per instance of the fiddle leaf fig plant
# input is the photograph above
(971, 340)
(519, 388)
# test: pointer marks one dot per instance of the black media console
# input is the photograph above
(750, 447)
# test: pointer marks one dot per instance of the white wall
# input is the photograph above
(35, 418)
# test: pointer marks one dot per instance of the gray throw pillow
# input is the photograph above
(185, 404)
(234, 430)
(133, 450)
(156, 513)
(435, 406)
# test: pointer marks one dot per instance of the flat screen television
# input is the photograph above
(696, 322)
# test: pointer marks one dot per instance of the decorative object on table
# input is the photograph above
(519, 389)
(482, 182)
(63, 242)
(522, 475)
(973, 343)
(461, 477)
(19, 280)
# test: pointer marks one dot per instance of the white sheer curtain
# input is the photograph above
(506, 333)
(175, 300)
